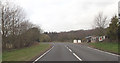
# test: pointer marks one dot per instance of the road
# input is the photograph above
(75, 52)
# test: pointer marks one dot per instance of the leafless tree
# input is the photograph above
(11, 17)
(100, 23)
(17, 31)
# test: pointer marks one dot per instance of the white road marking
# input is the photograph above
(77, 57)
(70, 50)
(66, 47)
(103, 51)
(43, 54)
(74, 54)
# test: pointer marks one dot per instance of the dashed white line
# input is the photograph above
(66, 47)
(43, 54)
(70, 50)
(104, 51)
(77, 57)
(74, 54)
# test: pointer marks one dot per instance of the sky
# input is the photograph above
(66, 15)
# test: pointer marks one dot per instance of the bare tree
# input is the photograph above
(17, 31)
(100, 23)
(11, 17)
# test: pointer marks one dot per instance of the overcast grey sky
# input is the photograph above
(66, 15)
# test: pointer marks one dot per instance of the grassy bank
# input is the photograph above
(106, 46)
(25, 54)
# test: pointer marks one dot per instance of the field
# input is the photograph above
(106, 46)
(25, 54)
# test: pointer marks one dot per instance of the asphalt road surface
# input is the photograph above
(76, 52)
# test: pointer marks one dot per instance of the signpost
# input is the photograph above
(119, 21)
(119, 10)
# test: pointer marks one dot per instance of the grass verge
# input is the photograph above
(106, 46)
(25, 54)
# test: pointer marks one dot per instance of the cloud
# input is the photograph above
(65, 15)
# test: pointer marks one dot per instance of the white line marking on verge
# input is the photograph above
(103, 51)
(77, 57)
(43, 54)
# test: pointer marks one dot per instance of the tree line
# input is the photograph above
(102, 27)
(109, 28)
(16, 30)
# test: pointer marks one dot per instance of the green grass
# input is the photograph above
(25, 54)
(106, 46)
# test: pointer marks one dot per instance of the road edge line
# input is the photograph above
(103, 51)
(43, 54)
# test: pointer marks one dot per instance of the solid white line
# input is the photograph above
(104, 51)
(70, 50)
(77, 57)
(43, 54)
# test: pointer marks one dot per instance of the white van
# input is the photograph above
(79, 41)
(74, 41)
